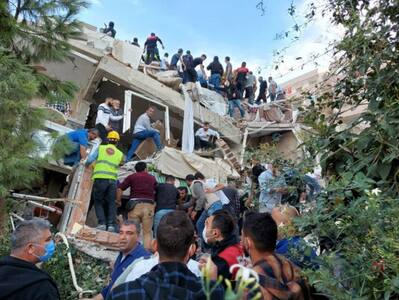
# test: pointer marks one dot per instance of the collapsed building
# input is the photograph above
(105, 67)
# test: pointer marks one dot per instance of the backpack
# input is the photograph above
(289, 286)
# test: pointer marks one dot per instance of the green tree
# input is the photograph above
(357, 216)
(30, 32)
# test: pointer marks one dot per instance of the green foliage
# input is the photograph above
(362, 261)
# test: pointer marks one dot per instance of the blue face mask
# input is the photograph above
(49, 251)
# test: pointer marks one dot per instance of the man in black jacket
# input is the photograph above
(31, 242)
(262, 90)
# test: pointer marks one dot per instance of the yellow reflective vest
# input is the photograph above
(107, 164)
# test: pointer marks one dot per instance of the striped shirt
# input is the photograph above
(104, 114)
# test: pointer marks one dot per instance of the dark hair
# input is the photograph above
(262, 229)
(166, 54)
(206, 123)
(223, 221)
(199, 175)
(135, 39)
(182, 188)
(175, 234)
(180, 50)
(140, 166)
(227, 58)
(188, 52)
(243, 64)
(190, 177)
(152, 33)
(170, 178)
(216, 58)
(132, 222)
(204, 56)
(111, 24)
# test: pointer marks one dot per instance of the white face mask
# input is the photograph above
(204, 237)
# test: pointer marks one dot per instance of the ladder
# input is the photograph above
(228, 154)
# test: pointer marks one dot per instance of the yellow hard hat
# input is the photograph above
(113, 135)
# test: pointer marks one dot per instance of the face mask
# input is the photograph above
(49, 251)
(204, 237)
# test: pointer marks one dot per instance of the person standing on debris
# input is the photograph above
(241, 79)
(185, 200)
(130, 250)
(31, 243)
(190, 74)
(205, 137)
(272, 89)
(143, 130)
(262, 91)
(250, 87)
(175, 59)
(229, 70)
(110, 30)
(233, 97)
(166, 199)
(217, 71)
(80, 142)
(142, 199)
(151, 48)
(104, 115)
(136, 42)
(105, 174)
(165, 62)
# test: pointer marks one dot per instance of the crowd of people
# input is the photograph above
(185, 229)
(238, 86)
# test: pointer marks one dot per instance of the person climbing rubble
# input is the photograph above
(109, 30)
(165, 62)
(151, 48)
(141, 203)
(217, 71)
(205, 137)
(79, 140)
(190, 74)
(262, 91)
(135, 42)
(233, 97)
(176, 58)
(143, 130)
(241, 79)
(105, 174)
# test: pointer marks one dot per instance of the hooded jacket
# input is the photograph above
(22, 280)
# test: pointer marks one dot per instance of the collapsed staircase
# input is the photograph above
(228, 154)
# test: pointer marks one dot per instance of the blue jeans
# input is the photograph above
(235, 103)
(73, 157)
(141, 136)
(157, 218)
(215, 81)
(205, 214)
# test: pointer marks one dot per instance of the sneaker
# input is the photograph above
(101, 227)
(111, 228)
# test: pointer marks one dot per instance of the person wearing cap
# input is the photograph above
(108, 159)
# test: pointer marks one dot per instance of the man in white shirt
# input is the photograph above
(104, 115)
(165, 62)
(205, 137)
(143, 130)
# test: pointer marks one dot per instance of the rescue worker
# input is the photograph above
(108, 159)
(150, 46)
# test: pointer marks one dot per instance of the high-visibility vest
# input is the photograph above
(107, 164)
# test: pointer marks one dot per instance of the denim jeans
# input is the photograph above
(157, 218)
(215, 80)
(235, 103)
(141, 136)
(205, 214)
(73, 157)
(104, 196)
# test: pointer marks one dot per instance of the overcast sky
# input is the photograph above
(234, 28)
